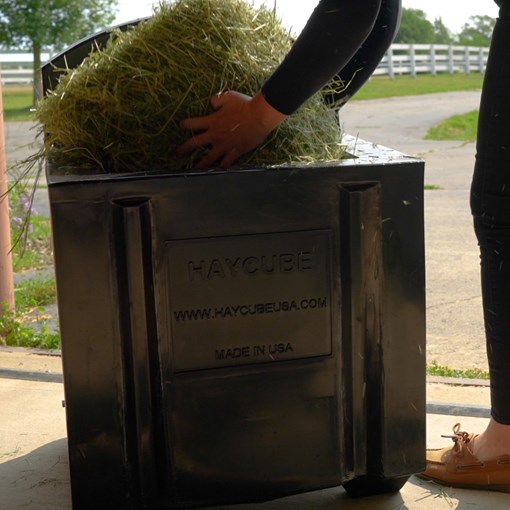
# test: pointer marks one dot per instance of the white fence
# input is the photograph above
(413, 59)
(16, 66)
(416, 59)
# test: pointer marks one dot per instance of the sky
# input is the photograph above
(294, 13)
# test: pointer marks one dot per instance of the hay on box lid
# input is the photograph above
(119, 111)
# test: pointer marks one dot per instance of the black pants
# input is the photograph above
(490, 206)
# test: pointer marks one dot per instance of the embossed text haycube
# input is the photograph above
(249, 299)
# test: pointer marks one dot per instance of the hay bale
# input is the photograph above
(119, 111)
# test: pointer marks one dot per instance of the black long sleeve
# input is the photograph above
(365, 61)
(504, 8)
(333, 35)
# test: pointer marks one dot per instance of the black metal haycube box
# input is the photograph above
(241, 335)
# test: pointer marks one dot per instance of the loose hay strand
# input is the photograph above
(119, 111)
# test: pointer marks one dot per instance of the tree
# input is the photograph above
(441, 34)
(477, 31)
(32, 25)
(415, 28)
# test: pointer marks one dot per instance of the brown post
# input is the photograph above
(6, 275)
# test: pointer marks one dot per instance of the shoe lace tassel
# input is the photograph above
(459, 437)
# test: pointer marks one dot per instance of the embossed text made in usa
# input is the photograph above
(252, 265)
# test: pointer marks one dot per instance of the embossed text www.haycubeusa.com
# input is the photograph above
(233, 311)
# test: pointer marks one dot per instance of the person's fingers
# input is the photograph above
(195, 123)
(218, 100)
(193, 143)
(204, 122)
(222, 98)
(230, 157)
(210, 158)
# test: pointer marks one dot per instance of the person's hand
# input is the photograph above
(239, 124)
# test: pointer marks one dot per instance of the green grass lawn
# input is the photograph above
(435, 369)
(382, 86)
(17, 101)
(458, 127)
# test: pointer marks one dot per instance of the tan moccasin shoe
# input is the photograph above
(456, 466)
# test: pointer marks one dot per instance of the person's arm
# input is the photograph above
(333, 34)
(364, 62)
